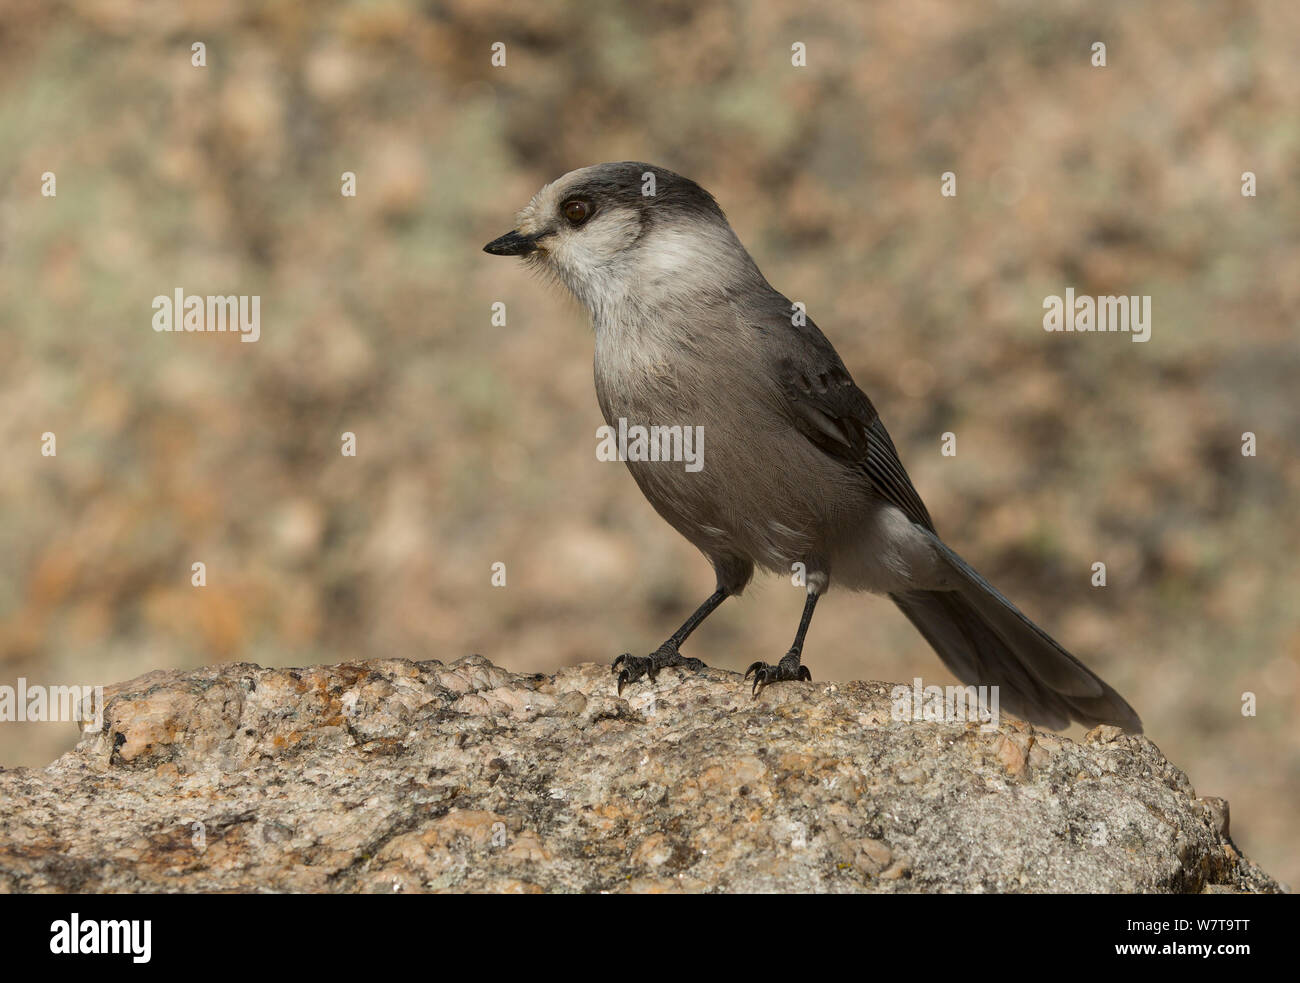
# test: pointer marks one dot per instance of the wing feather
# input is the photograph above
(828, 408)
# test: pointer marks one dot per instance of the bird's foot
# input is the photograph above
(630, 667)
(789, 668)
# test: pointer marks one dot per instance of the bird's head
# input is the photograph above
(613, 230)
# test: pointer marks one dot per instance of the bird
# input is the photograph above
(798, 471)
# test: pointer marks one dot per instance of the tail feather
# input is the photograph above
(985, 640)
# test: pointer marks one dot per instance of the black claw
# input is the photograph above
(765, 674)
(630, 668)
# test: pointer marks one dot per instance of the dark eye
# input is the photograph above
(576, 211)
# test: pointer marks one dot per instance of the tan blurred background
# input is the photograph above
(476, 443)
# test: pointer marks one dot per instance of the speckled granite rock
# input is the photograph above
(401, 776)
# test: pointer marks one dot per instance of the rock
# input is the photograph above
(392, 776)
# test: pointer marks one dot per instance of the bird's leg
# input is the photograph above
(630, 667)
(789, 667)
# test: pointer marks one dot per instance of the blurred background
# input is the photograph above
(476, 443)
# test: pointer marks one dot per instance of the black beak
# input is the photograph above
(511, 244)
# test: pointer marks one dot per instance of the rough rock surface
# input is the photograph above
(402, 776)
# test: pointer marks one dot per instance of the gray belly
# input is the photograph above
(752, 495)
(762, 491)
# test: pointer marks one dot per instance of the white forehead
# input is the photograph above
(543, 205)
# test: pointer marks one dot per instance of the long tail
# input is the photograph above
(985, 640)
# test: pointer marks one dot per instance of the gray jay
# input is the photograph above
(797, 466)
